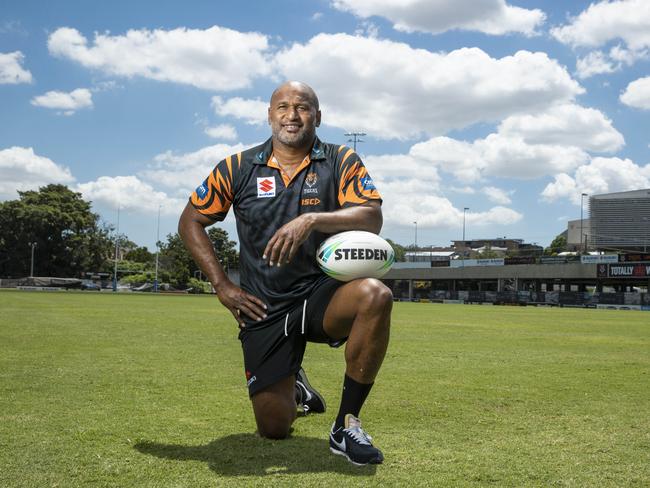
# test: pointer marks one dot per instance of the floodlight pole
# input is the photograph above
(117, 245)
(416, 235)
(582, 234)
(465, 209)
(155, 281)
(355, 138)
(31, 268)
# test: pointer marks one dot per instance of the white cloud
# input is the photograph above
(497, 195)
(11, 71)
(605, 21)
(400, 177)
(637, 94)
(467, 190)
(564, 186)
(184, 172)
(525, 146)
(601, 175)
(497, 155)
(597, 62)
(628, 56)
(213, 59)
(378, 82)
(567, 125)
(129, 193)
(222, 131)
(512, 157)
(403, 167)
(253, 112)
(317, 16)
(602, 23)
(605, 175)
(430, 210)
(69, 102)
(22, 169)
(594, 63)
(167, 182)
(489, 16)
(367, 29)
(460, 158)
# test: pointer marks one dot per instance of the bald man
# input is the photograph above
(288, 195)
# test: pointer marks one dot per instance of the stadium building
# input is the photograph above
(504, 244)
(620, 221)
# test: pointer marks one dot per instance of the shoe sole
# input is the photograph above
(341, 453)
(303, 378)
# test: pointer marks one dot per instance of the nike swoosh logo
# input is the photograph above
(340, 445)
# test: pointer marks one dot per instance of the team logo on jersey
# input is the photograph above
(311, 179)
(367, 184)
(202, 190)
(266, 187)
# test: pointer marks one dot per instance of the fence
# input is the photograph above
(552, 298)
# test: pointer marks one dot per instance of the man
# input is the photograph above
(289, 194)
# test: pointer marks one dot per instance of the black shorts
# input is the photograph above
(274, 352)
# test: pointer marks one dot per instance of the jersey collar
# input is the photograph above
(263, 156)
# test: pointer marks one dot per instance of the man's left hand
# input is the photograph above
(287, 240)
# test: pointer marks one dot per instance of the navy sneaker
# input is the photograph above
(352, 442)
(306, 396)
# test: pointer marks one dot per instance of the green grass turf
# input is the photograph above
(136, 390)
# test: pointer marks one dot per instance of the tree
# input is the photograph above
(558, 245)
(400, 251)
(68, 235)
(178, 262)
(139, 255)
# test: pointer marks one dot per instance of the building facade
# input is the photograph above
(620, 221)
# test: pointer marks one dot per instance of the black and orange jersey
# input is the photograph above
(263, 198)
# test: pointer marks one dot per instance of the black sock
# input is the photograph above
(354, 394)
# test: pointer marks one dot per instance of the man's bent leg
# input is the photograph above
(360, 310)
(275, 408)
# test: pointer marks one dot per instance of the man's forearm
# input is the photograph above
(196, 240)
(365, 217)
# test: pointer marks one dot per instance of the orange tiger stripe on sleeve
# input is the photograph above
(215, 195)
(355, 184)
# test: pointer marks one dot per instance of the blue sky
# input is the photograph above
(510, 108)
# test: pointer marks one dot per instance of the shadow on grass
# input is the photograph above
(250, 455)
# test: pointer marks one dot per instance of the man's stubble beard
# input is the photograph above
(301, 139)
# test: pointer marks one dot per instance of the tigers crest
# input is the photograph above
(311, 179)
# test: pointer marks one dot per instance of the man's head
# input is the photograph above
(294, 115)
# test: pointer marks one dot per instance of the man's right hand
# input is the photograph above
(240, 303)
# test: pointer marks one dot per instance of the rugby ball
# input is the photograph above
(355, 254)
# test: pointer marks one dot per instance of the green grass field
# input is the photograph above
(148, 391)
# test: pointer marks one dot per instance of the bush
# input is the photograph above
(198, 286)
(136, 279)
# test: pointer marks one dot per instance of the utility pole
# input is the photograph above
(355, 138)
(31, 268)
(117, 246)
(155, 281)
(583, 237)
(416, 235)
(465, 209)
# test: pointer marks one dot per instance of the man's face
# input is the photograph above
(293, 117)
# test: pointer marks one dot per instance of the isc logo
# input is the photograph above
(309, 202)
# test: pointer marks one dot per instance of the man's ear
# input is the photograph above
(268, 115)
(318, 114)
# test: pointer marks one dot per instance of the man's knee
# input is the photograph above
(274, 428)
(275, 409)
(376, 296)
